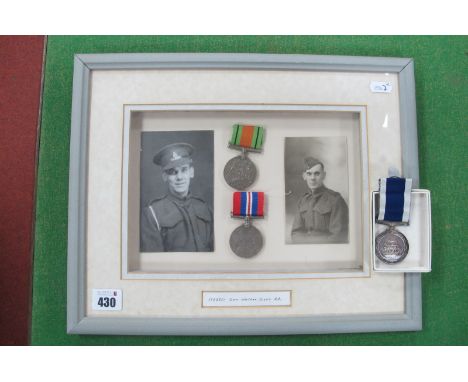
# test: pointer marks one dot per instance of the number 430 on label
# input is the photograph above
(107, 299)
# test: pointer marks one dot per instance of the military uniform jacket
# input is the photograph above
(323, 214)
(170, 224)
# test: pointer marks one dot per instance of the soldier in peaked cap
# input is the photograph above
(322, 215)
(177, 221)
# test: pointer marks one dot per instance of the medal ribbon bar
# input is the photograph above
(247, 137)
(248, 204)
(395, 197)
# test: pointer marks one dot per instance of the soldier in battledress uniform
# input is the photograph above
(177, 221)
(322, 215)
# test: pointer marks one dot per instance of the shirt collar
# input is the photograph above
(317, 192)
(177, 199)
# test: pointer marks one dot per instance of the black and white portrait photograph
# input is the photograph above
(317, 191)
(176, 191)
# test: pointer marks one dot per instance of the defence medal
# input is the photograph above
(240, 172)
(391, 246)
(246, 240)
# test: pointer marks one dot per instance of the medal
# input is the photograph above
(391, 246)
(246, 240)
(240, 172)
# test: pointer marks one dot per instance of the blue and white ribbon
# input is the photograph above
(395, 198)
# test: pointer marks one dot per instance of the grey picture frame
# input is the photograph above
(79, 323)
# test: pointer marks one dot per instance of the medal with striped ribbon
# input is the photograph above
(246, 240)
(240, 172)
(391, 246)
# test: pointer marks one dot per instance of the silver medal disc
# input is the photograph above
(240, 172)
(391, 246)
(246, 241)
